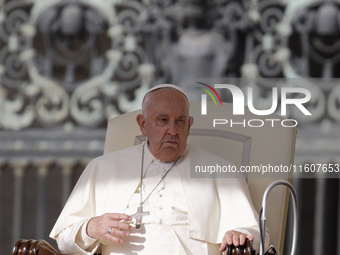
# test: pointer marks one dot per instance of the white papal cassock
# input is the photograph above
(187, 215)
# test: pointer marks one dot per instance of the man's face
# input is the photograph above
(166, 123)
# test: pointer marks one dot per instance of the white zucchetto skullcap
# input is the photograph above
(161, 86)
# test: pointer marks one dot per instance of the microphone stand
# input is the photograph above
(264, 214)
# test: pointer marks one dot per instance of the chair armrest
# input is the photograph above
(33, 247)
(246, 249)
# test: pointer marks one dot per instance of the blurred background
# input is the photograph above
(66, 67)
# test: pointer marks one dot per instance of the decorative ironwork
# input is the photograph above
(82, 62)
(69, 60)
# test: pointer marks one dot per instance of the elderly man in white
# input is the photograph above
(141, 200)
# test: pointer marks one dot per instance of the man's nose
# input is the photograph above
(172, 128)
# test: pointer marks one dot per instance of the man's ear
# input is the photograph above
(191, 121)
(141, 122)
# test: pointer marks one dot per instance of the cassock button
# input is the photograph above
(160, 221)
(160, 208)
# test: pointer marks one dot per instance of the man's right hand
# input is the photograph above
(99, 227)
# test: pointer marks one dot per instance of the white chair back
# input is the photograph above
(241, 143)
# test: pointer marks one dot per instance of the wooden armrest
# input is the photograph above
(33, 247)
(246, 249)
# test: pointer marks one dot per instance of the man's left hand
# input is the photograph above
(234, 237)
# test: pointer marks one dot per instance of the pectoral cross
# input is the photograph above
(139, 216)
